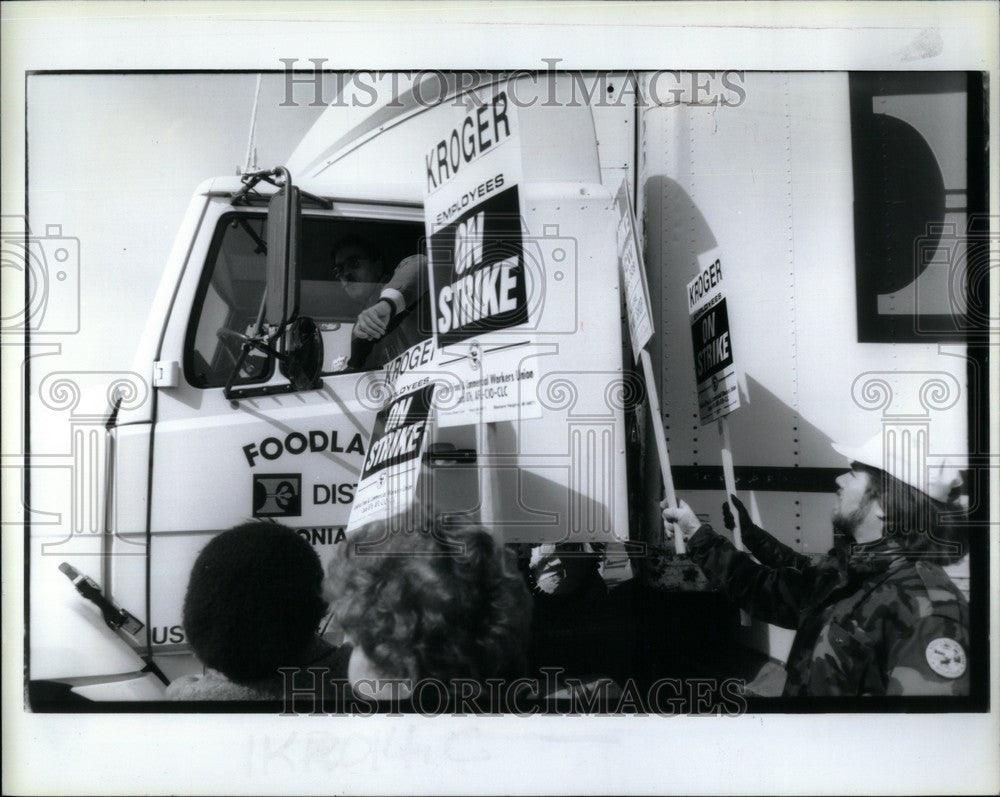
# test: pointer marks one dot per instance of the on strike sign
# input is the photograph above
(477, 271)
(715, 371)
(388, 483)
(479, 279)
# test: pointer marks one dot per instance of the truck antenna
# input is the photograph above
(251, 159)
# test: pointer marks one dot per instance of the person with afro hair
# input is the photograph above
(254, 602)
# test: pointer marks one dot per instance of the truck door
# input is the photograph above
(293, 457)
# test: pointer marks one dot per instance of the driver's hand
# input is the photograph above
(682, 517)
(373, 321)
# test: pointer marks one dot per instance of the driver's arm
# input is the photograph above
(403, 287)
(398, 294)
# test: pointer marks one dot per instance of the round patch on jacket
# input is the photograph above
(946, 657)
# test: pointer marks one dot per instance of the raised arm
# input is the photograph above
(771, 594)
(767, 549)
(774, 595)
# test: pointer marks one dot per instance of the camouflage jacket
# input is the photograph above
(869, 621)
(770, 551)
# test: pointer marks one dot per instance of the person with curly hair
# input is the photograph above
(430, 603)
(254, 602)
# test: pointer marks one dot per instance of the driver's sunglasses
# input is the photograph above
(343, 270)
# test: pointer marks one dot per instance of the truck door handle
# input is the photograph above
(445, 454)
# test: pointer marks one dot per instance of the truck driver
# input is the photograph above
(386, 296)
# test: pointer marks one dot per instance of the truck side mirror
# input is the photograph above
(295, 342)
(284, 240)
(304, 360)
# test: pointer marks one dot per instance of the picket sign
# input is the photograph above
(640, 322)
(715, 369)
(714, 364)
(661, 445)
(729, 476)
(489, 482)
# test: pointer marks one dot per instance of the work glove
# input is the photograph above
(727, 514)
(682, 517)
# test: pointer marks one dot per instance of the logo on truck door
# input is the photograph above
(277, 495)
(314, 441)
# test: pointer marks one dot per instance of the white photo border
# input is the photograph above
(254, 754)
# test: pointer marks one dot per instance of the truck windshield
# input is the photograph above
(345, 265)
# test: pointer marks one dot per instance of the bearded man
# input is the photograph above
(877, 615)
